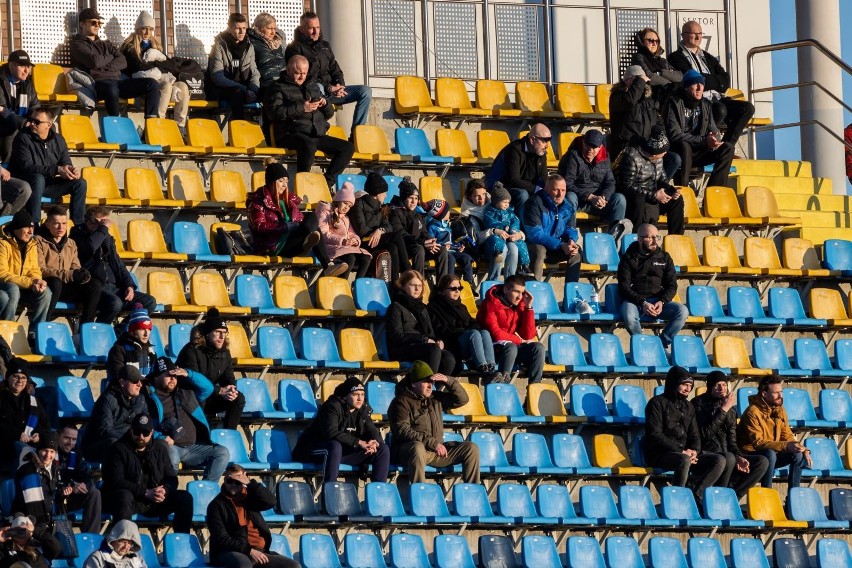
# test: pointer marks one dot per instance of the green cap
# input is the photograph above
(420, 371)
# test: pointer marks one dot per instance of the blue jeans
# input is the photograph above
(509, 265)
(56, 187)
(361, 95)
(476, 344)
(529, 354)
(780, 459)
(671, 164)
(213, 457)
(674, 313)
(614, 211)
(10, 296)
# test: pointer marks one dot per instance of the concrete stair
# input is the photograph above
(802, 185)
(777, 168)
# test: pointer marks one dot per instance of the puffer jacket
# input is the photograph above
(19, 271)
(284, 106)
(97, 253)
(642, 276)
(323, 65)
(414, 418)
(366, 216)
(584, 178)
(412, 224)
(546, 223)
(763, 427)
(227, 532)
(56, 260)
(216, 365)
(106, 557)
(36, 487)
(449, 320)
(677, 127)
(128, 351)
(335, 421)
(408, 323)
(270, 62)
(632, 115)
(191, 391)
(503, 321)
(266, 219)
(15, 411)
(219, 66)
(635, 173)
(111, 419)
(32, 155)
(656, 67)
(98, 57)
(334, 235)
(670, 424)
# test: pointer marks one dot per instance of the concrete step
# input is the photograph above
(818, 219)
(773, 168)
(803, 185)
(819, 235)
(801, 202)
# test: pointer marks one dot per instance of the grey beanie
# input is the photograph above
(145, 20)
(500, 193)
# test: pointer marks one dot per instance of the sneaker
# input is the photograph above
(141, 132)
(619, 230)
(336, 269)
(310, 242)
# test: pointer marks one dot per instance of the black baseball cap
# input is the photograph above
(594, 138)
(130, 373)
(89, 14)
(20, 57)
(142, 424)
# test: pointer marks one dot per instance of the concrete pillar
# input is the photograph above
(821, 21)
(342, 23)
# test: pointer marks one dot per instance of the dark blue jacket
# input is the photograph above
(546, 224)
(191, 392)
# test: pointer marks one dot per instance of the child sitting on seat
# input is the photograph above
(500, 216)
(438, 225)
(341, 242)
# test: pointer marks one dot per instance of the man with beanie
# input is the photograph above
(343, 432)
(207, 353)
(23, 421)
(647, 283)
(717, 422)
(114, 411)
(641, 176)
(522, 165)
(299, 115)
(406, 219)
(232, 75)
(417, 425)
(20, 275)
(17, 97)
(672, 438)
(371, 224)
(78, 489)
(549, 233)
(37, 486)
(694, 134)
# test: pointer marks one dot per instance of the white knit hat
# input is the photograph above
(145, 20)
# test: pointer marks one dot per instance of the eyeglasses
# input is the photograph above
(454, 288)
(18, 378)
(694, 33)
(545, 139)
(649, 40)
(37, 122)
(142, 433)
(95, 23)
(650, 237)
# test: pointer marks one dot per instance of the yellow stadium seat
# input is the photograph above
(602, 99)
(79, 134)
(147, 237)
(168, 288)
(434, 187)
(143, 185)
(451, 142)
(573, 100)
(240, 348)
(312, 188)
(682, 250)
(691, 212)
(493, 96)
(123, 253)
(760, 202)
(552, 162)
(544, 399)
(609, 450)
(50, 84)
(102, 189)
(241, 258)
(847, 456)
(370, 139)
(258, 180)
(16, 336)
(339, 133)
(764, 504)
(291, 292)
(722, 252)
(208, 289)
(451, 93)
(827, 303)
(411, 96)
(357, 345)
(334, 294)
(245, 134)
(187, 185)
(533, 99)
(228, 187)
(737, 94)
(731, 352)
(467, 298)
(474, 409)
(166, 133)
(800, 254)
(565, 141)
(722, 202)
(205, 132)
(762, 254)
(490, 142)
(327, 388)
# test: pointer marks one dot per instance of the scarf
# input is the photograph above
(418, 310)
(696, 60)
(32, 421)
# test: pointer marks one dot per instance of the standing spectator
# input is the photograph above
(499, 217)
(507, 314)
(547, 226)
(113, 413)
(522, 165)
(299, 115)
(139, 478)
(77, 487)
(268, 43)
(37, 486)
(98, 255)
(717, 422)
(410, 335)
(119, 549)
(208, 353)
(847, 136)
(232, 75)
(60, 266)
(658, 72)
(407, 219)
(133, 347)
(342, 244)
(764, 429)
(438, 226)
(371, 223)
(672, 438)
(17, 97)
(40, 158)
(18, 549)
(417, 425)
(308, 42)
(103, 62)
(343, 432)
(239, 537)
(647, 284)
(20, 275)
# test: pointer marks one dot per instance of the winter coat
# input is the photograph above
(128, 351)
(505, 322)
(516, 167)
(73, 468)
(284, 106)
(449, 320)
(226, 532)
(546, 223)
(22, 89)
(477, 217)
(126, 469)
(717, 80)
(35, 489)
(220, 65)
(32, 155)
(19, 271)
(635, 173)
(632, 115)
(266, 219)
(191, 391)
(670, 425)
(718, 429)
(97, 57)
(270, 62)
(216, 365)
(440, 231)
(658, 70)
(414, 418)
(408, 323)
(504, 219)
(583, 178)
(643, 276)
(334, 235)
(105, 556)
(111, 419)
(96, 250)
(334, 421)
(56, 260)
(366, 216)
(323, 65)
(763, 427)
(412, 224)
(11, 555)
(15, 411)
(680, 128)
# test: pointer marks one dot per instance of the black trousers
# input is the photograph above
(701, 155)
(240, 560)
(90, 502)
(87, 295)
(640, 212)
(739, 481)
(122, 504)
(339, 151)
(236, 97)
(735, 114)
(439, 360)
(111, 91)
(395, 245)
(703, 474)
(359, 262)
(295, 242)
(233, 409)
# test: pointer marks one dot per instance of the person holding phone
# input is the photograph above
(17, 547)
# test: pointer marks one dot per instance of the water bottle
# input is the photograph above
(595, 302)
(577, 303)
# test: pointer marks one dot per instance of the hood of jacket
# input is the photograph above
(125, 530)
(640, 46)
(767, 411)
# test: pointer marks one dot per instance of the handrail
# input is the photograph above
(804, 84)
(803, 123)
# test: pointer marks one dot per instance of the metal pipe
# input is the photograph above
(667, 23)
(803, 123)
(424, 4)
(486, 34)
(804, 84)
(11, 29)
(548, 46)
(164, 28)
(729, 51)
(365, 59)
(607, 45)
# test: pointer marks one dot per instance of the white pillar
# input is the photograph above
(821, 21)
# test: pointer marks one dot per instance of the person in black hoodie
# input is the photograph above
(17, 97)
(232, 75)
(370, 221)
(22, 417)
(411, 223)
(410, 335)
(133, 347)
(114, 411)
(672, 438)
(343, 432)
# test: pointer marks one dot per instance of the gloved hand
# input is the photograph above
(81, 276)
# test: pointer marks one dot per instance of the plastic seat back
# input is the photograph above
(769, 353)
(573, 98)
(204, 132)
(451, 142)
(119, 130)
(253, 291)
(372, 294)
(312, 188)
(190, 238)
(318, 344)
(370, 139)
(565, 349)
(491, 451)
(798, 404)
(202, 493)
(826, 303)
(413, 142)
(811, 354)
(49, 79)
(100, 183)
(744, 302)
(554, 500)
(228, 186)
(142, 183)
(246, 134)
(492, 95)
(838, 254)
(501, 400)
(179, 336)
(682, 250)
(281, 545)
(704, 301)
(296, 498)
(451, 93)
(648, 351)
(706, 553)
(530, 450)
(833, 553)
(233, 440)
(588, 400)
(296, 395)
(678, 503)
(275, 343)
(539, 552)
(362, 551)
(605, 349)
(292, 292)
(256, 395)
(408, 551)
(836, 405)
(569, 450)
(427, 500)
(825, 454)
(785, 303)
(410, 93)
(800, 254)
(497, 552)
(805, 504)
(748, 553)
(629, 401)
(721, 202)
(77, 129)
(761, 253)
(664, 552)
(635, 502)
(602, 93)
(181, 549)
(383, 499)
(688, 351)
(271, 446)
(598, 502)
(599, 248)
(317, 550)
(470, 499)
(610, 451)
(333, 293)
(186, 184)
(532, 97)
(729, 351)
(759, 202)
(452, 551)
(623, 552)
(149, 552)
(379, 395)
(75, 397)
(54, 339)
(96, 339)
(145, 236)
(764, 504)
(585, 551)
(208, 289)
(490, 142)
(790, 552)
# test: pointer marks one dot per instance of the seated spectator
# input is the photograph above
(499, 217)
(641, 177)
(40, 158)
(299, 115)
(410, 335)
(78, 491)
(37, 486)
(208, 353)
(268, 42)
(408, 219)
(98, 255)
(417, 425)
(522, 165)
(658, 72)
(473, 216)
(18, 549)
(23, 421)
(239, 537)
(343, 432)
(373, 227)
(119, 549)
(103, 63)
(438, 227)
(342, 244)
(60, 266)
(694, 134)
(20, 275)
(590, 183)
(232, 75)
(146, 58)
(460, 332)
(17, 97)
(278, 226)
(507, 314)
(113, 414)
(139, 479)
(549, 234)
(133, 347)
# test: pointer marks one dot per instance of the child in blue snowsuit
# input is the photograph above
(438, 225)
(499, 214)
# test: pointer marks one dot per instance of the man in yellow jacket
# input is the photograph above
(765, 430)
(20, 275)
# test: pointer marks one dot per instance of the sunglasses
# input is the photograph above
(143, 433)
(546, 139)
(96, 23)
(649, 40)
(454, 288)
(37, 122)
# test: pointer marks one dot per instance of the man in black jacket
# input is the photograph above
(113, 413)
(239, 537)
(647, 284)
(343, 432)
(96, 249)
(139, 478)
(40, 158)
(299, 114)
(371, 224)
(22, 417)
(78, 490)
(717, 422)
(522, 166)
(17, 97)
(406, 220)
(672, 438)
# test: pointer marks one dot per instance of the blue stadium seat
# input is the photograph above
(744, 302)
(569, 450)
(585, 291)
(565, 349)
(629, 401)
(688, 352)
(588, 401)
(843, 354)
(363, 551)
(805, 504)
(530, 450)
(838, 255)
(96, 339)
(371, 294)
(770, 353)
(357, 180)
(413, 142)
(281, 545)
(341, 500)
(148, 552)
(705, 553)
(452, 551)
(233, 440)
(471, 500)
(486, 285)
(492, 455)
(539, 552)
(703, 301)
(500, 400)
(75, 398)
(623, 552)
(156, 342)
(7, 496)
(383, 500)
(678, 504)
(276, 343)
(318, 344)
(297, 498)
(545, 306)
(514, 500)
(554, 501)
(721, 504)
(258, 401)
(122, 131)
(748, 553)
(191, 239)
(648, 351)
(584, 551)
(253, 292)
(393, 186)
(296, 398)
(181, 549)
(664, 552)
(635, 502)
(427, 500)
(54, 340)
(87, 543)
(605, 350)
(272, 449)
(840, 504)
(408, 551)
(317, 550)
(627, 239)
(598, 502)
(379, 396)
(497, 552)
(825, 457)
(833, 553)
(800, 410)
(600, 249)
(743, 394)
(811, 355)
(836, 405)
(790, 552)
(785, 303)
(179, 335)
(202, 493)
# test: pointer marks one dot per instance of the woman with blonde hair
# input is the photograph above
(341, 242)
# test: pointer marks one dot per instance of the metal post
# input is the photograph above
(424, 4)
(607, 43)
(548, 46)
(11, 24)
(667, 23)
(486, 35)
(729, 39)
(364, 20)
(164, 27)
